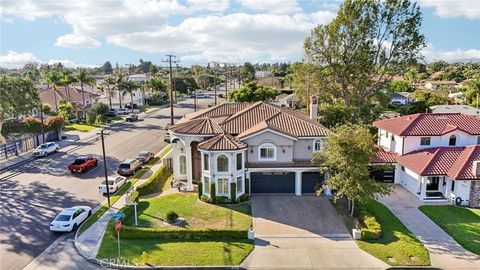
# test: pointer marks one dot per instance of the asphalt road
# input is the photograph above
(33, 193)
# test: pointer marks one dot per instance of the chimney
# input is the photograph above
(313, 107)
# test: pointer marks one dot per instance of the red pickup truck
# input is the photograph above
(83, 163)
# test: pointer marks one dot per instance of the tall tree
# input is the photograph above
(119, 76)
(108, 82)
(346, 158)
(252, 92)
(55, 79)
(107, 68)
(247, 72)
(18, 96)
(67, 78)
(363, 47)
(128, 87)
(304, 81)
(85, 78)
(157, 85)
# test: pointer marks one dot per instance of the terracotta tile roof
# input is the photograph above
(200, 126)
(294, 164)
(248, 117)
(455, 162)
(47, 96)
(383, 156)
(222, 142)
(430, 124)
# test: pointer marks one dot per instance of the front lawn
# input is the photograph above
(177, 252)
(80, 127)
(196, 213)
(397, 245)
(462, 224)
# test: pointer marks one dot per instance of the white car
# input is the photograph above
(69, 219)
(123, 111)
(45, 149)
(114, 183)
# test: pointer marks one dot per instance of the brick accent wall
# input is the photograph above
(475, 194)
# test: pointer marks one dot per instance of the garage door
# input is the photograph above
(309, 181)
(273, 182)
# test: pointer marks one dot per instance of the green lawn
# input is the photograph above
(177, 252)
(463, 224)
(196, 213)
(397, 246)
(80, 127)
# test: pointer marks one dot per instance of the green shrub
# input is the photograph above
(247, 185)
(205, 198)
(101, 119)
(212, 193)
(172, 217)
(372, 230)
(221, 200)
(160, 175)
(244, 197)
(200, 189)
(233, 192)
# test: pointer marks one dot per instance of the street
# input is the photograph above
(33, 193)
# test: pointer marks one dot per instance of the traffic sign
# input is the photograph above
(118, 226)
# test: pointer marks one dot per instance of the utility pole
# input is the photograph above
(169, 60)
(215, 73)
(105, 167)
(195, 99)
(41, 123)
(225, 73)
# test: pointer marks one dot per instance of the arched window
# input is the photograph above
(453, 140)
(267, 151)
(182, 160)
(318, 145)
(222, 163)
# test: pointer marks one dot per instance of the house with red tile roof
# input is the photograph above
(252, 147)
(436, 155)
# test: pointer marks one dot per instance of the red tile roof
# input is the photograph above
(200, 126)
(222, 142)
(455, 162)
(383, 156)
(430, 124)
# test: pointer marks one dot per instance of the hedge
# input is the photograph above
(158, 176)
(233, 192)
(213, 198)
(130, 232)
(200, 189)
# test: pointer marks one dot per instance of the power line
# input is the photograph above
(170, 61)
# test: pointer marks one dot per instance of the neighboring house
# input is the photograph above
(401, 98)
(141, 78)
(463, 109)
(262, 144)
(434, 85)
(435, 155)
(263, 74)
(73, 95)
(285, 100)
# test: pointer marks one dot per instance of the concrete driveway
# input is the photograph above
(303, 233)
(445, 253)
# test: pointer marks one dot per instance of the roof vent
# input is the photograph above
(476, 168)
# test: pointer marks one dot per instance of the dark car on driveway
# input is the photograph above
(129, 167)
(145, 156)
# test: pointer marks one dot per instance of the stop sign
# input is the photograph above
(118, 225)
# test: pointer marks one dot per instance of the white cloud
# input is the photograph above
(16, 59)
(209, 5)
(432, 54)
(77, 42)
(272, 6)
(454, 8)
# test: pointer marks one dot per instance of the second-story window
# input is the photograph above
(425, 141)
(452, 141)
(239, 161)
(318, 145)
(222, 163)
(205, 162)
(267, 152)
(478, 140)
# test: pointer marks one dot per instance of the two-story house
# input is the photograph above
(268, 146)
(435, 155)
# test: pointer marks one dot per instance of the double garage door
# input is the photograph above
(282, 182)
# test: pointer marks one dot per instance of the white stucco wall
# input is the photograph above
(408, 179)
(412, 143)
(462, 190)
(387, 143)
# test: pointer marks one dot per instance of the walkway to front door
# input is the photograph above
(302, 233)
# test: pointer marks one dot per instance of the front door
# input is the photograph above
(196, 163)
(432, 183)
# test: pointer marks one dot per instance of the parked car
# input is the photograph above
(129, 167)
(114, 183)
(220, 96)
(145, 156)
(123, 111)
(45, 149)
(112, 113)
(83, 163)
(69, 219)
(132, 118)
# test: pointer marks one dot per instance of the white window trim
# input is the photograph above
(180, 166)
(242, 162)
(228, 163)
(267, 145)
(228, 186)
(236, 184)
(206, 187)
(203, 162)
(322, 141)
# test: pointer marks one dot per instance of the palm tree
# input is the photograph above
(109, 80)
(67, 79)
(84, 77)
(128, 88)
(55, 79)
(119, 76)
(157, 85)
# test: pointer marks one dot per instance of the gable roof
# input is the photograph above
(222, 142)
(455, 162)
(200, 126)
(430, 124)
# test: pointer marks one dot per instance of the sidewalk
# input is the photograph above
(445, 252)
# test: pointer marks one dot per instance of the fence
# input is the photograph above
(15, 147)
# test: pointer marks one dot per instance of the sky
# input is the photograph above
(90, 32)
